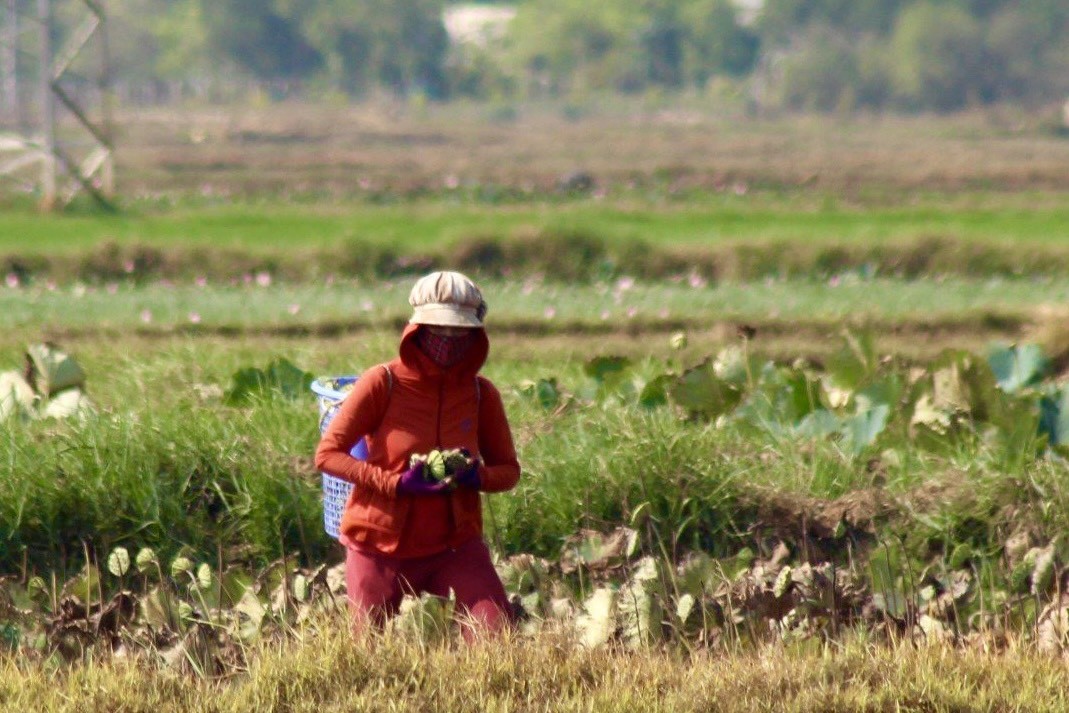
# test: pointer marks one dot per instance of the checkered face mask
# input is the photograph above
(445, 351)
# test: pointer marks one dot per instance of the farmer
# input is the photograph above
(403, 532)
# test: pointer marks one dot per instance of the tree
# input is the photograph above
(401, 44)
(782, 19)
(823, 74)
(716, 43)
(938, 58)
(661, 39)
(260, 36)
(575, 45)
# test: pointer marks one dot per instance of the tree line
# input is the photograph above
(804, 54)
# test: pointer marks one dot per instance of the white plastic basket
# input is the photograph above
(330, 394)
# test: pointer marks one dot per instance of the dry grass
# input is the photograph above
(320, 669)
(342, 151)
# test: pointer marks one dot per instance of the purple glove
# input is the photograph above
(468, 478)
(412, 482)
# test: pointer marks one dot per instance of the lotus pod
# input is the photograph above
(435, 469)
(456, 461)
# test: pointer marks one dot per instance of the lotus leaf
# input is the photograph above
(16, 396)
(819, 424)
(280, 376)
(67, 403)
(862, 430)
(655, 392)
(607, 370)
(735, 366)
(638, 605)
(53, 369)
(85, 585)
(851, 367)
(597, 622)
(701, 392)
(1018, 366)
(1054, 418)
(119, 561)
(544, 391)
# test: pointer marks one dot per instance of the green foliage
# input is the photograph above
(1018, 366)
(397, 44)
(264, 38)
(781, 18)
(939, 57)
(280, 376)
(916, 54)
(714, 41)
(566, 46)
(841, 54)
(824, 75)
(577, 45)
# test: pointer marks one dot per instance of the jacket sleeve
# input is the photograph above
(359, 414)
(500, 470)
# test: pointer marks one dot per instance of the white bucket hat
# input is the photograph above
(447, 299)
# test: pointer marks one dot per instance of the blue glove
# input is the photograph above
(412, 482)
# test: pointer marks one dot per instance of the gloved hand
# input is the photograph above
(412, 482)
(468, 478)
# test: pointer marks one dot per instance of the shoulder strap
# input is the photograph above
(389, 377)
(478, 392)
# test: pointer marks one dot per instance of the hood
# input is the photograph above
(414, 360)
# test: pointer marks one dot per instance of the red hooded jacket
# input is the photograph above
(425, 407)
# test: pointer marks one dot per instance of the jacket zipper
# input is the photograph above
(441, 393)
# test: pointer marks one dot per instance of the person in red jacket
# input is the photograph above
(404, 533)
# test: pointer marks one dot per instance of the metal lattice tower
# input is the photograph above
(64, 144)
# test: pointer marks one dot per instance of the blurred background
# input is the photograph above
(201, 93)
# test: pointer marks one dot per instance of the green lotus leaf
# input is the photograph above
(1018, 366)
(54, 370)
(701, 392)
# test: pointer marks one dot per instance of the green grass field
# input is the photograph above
(270, 228)
(536, 304)
(843, 513)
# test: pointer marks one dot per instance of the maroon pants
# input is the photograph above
(376, 583)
